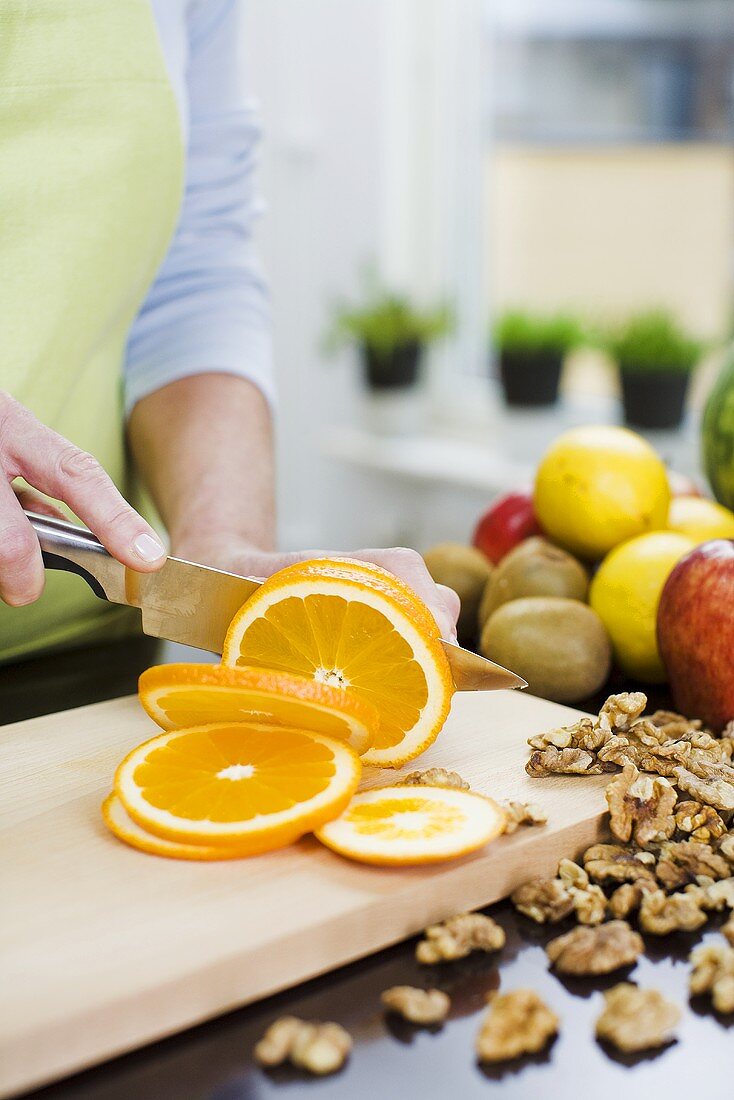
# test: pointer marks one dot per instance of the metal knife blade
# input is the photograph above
(194, 604)
(188, 603)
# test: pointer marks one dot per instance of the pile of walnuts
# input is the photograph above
(670, 863)
(668, 866)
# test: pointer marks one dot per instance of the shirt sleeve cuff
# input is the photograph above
(251, 360)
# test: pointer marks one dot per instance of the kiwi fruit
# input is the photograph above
(466, 570)
(534, 568)
(558, 645)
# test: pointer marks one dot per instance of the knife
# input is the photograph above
(194, 604)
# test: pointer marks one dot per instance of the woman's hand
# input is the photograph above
(235, 557)
(52, 464)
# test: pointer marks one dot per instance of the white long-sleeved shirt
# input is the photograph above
(208, 308)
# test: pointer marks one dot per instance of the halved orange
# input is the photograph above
(352, 626)
(178, 696)
(119, 822)
(396, 826)
(250, 787)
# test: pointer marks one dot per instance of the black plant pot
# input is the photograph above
(396, 370)
(654, 399)
(530, 379)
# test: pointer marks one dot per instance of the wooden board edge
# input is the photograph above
(34, 1060)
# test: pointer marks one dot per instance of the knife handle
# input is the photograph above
(75, 549)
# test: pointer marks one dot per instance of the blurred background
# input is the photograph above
(493, 164)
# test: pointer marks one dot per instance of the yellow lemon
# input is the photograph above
(700, 519)
(599, 486)
(625, 594)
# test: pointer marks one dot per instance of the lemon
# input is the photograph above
(700, 519)
(599, 486)
(625, 594)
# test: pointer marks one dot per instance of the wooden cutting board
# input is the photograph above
(104, 949)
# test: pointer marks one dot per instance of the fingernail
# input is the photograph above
(148, 547)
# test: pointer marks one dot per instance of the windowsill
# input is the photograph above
(492, 452)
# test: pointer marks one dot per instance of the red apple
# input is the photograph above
(510, 520)
(696, 632)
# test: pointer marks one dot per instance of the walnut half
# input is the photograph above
(598, 950)
(610, 863)
(699, 821)
(713, 973)
(640, 807)
(544, 900)
(318, 1048)
(636, 1019)
(518, 1022)
(661, 914)
(434, 777)
(684, 861)
(523, 813)
(419, 1006)
(458, 936)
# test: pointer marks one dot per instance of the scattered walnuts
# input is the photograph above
(516, 1023)
(661, 914)
(607, 863)
(636, 1019)
(523, 813)
(580, 735)
(628, 897)
(598, 950)
(458, 936)
(672, 726)
(700, 821)
(318, 1048)
(684, 861)
(640, 807)
(621, 711)
(544, 900)
(726, 847)
(713, 972)
(589, 901)
(714, 895)
(714, 790)
(728, 930)
(419, 1006)
(434, 777)
(552, 761)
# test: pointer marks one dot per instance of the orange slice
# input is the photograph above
(119, 822)
(250, 787)
(404, 825)
(355, 627)
(177, 696)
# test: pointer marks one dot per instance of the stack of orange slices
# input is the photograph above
(330, 661)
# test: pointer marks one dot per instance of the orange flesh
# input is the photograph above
(354, 646)
(198, 705)
(404, 819)
(219, 776)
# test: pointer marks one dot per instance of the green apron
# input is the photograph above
(91, 171)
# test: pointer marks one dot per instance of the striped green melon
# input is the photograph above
(717, 439)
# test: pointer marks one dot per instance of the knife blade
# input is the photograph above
(194, 604)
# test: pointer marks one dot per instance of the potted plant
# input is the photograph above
(391, 334)
(656, 359)
(532, 349)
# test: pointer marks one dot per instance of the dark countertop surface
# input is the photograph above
(392, 1059)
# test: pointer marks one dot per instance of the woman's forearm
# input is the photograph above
(204, 448)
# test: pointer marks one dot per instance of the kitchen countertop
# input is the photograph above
(391, 1059)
